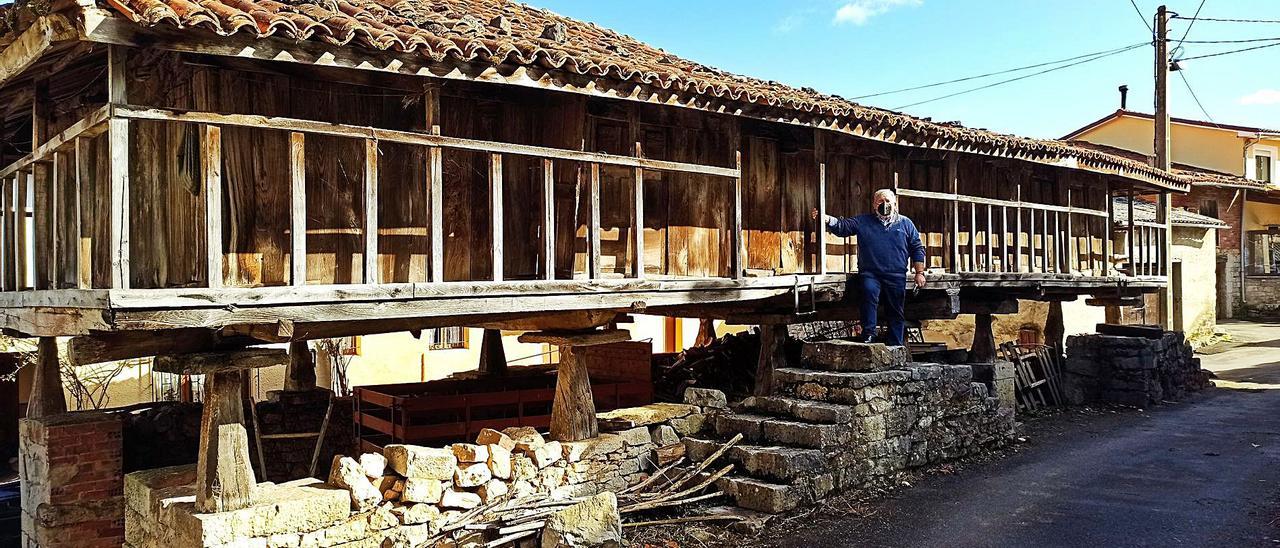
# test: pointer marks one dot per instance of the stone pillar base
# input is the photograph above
(70, 466)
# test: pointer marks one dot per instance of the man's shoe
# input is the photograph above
(867, 338)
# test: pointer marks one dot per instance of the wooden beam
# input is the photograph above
(46, 397)
(207, 363)
(297, 208)
(637, 223)
(125, 345)
(224, 478)
(593, 228)
(211, 168)
(371, 275)
(33, 43)
(576, 338)
(435, 173)
(548, 219)
(495, 214)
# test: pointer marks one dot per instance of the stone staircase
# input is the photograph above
(852, 412)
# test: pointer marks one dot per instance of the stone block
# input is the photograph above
(491, 490)
(777, 463)
(374, 465)
(522, 468)
(489, 436)
(460, 500)
(473, 475)
(414, 514)
(840, 355)
(635, 436)
(705, 398)
(525, 437)
(499, 461)
(278, 509)
(347, 474)
(412, 461)
(592, 522)
(799, 434)
(663, 435)
(761, 496)
(647, 415)
(422, 490)
(747, 425)
(470, 453)
(545, 454)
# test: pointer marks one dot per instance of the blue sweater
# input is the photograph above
(882, 250)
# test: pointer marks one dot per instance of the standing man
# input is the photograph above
(885, 241)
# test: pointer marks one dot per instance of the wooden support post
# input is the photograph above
(548, 219)
(46, 397)
(637, 223)
(1017, 235)
(300, 376)
(706, 332)
(435, 174)
(772, 357)
(211, 168)
(822, 218)
(573, 412)
(371, 275)
(984, 342)
(1054, 329)
(81, 249)
(493, 357)
(297, 208)
(118, 185)
(739, 243)
(495, 214)
(224, 479)
(953, 185)
(593, 229)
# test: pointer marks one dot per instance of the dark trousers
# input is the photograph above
(892, 289)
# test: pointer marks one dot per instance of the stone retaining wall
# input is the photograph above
(406, 494)
(1132, 371)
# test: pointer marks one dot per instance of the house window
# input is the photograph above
(1264, 253)
(1263, 171)
(1209, 208)
(445, 338)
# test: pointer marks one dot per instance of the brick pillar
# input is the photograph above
(72, 480)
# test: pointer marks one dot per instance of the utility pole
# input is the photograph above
(1161, 159)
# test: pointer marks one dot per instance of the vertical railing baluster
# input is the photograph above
(211, 168)
(495, 214)
(548, 219)
(371, 274)
(637, 258)
(297, 208)
(739, 245)
(593, 230)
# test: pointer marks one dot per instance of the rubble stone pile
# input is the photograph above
(410, 495)
(854, 413)
(1136, 371)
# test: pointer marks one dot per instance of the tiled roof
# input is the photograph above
(1146, 211)
(1197, 176)
(504, 32)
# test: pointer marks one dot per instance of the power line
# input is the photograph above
(1192, 24)
(997, 73)
(1025, 76)
(1271, 45)
(1143, 17)
(1220, 20)
(1183, 75)
(1242, 41)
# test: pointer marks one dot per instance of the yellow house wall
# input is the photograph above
(1077, 317)
(1216, 149)
(1197, 251)
(1257, 215)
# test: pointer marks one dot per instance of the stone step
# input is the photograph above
(775, 498)
(799, 409)
(842, 355)
(767, 462)
(773, 430)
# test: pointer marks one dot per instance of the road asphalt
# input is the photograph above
(1201, 472)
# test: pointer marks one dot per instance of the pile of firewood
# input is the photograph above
(727, 365)
(508, 520)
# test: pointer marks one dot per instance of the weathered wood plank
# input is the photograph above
(495, 215)
(224, 478)
(739, 241)
(22, 231)
(821, 229)
(297, 208)
(576, 338)
(207, 363)
(211, 168)
(548, 219)
(83, 251)
(370, 254)
(593, 226)
(637, 219)
(573, 411)
(435, 173)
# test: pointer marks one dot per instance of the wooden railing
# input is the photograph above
(20, 180)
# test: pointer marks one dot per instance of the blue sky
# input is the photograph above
(858, 47)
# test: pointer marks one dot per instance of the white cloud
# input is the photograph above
(1261, 97)
(858, 12)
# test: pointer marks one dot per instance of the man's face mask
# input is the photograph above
(885, 208)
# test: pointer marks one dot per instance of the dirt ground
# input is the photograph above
(1201, 472)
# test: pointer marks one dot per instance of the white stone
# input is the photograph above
(467, 452)
(374, 465)
(473, 475)
(522, 468)
(412, 461)
(547, 454)
(414, 514)
(489, 436)
(526, 438)
(705, 397)
(499, 461)
(422, 490)
(636, 436)
(347, 474)
(461, 500)
(491, 490)
(592, 522)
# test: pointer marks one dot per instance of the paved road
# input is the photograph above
(1204, 472)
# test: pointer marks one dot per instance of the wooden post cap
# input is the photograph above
(205, 363)
(576, 338)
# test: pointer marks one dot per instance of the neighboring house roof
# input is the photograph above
(1186, 121)
(1146, 212)
(506, 33)
(1198, 176)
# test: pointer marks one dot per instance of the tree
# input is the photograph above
(338, 351)
(89, 385)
